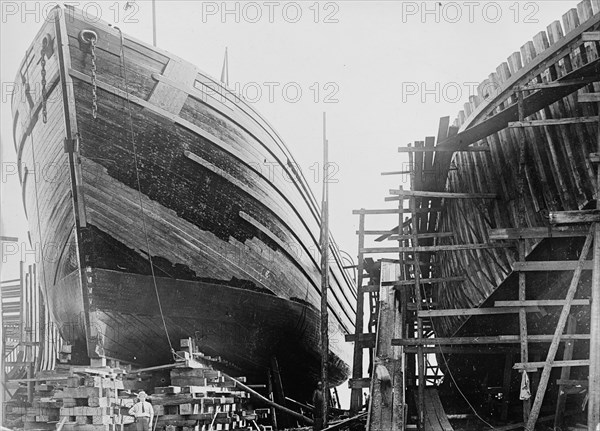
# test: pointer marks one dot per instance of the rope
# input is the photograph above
(449, 372)
(37, 203)
(139, 190)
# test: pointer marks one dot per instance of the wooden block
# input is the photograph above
(186, 409)
(98, 362)
(167, 390)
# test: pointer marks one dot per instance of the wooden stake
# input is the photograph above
(539, 396)
(523, 325)
(325, 276)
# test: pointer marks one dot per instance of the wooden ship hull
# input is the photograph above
(127, 155)
(533, 171)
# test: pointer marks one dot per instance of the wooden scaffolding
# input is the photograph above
(536, 90)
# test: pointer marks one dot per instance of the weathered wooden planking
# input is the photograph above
(435, 416)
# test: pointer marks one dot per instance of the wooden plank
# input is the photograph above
(428, 281)
(422, 236)
(564, 375)
(540, 303)
(569, 382)
(393, 211)
(499, 339)
(523, 330)
(441, 149)
(359, 383)
(537, 232)
(553, 122)
(532, 366)
(560, 327)
(558, 84)
(554, 265)
(407, 194)
(356, 395)
(473, 311)
(431, 248)
(573, 217)
(395, 173)
(588, 97)
(591, 36)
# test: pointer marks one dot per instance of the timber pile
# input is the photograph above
(79, 397)
(200, 397)
(210, 399)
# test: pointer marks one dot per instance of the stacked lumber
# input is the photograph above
(200, 397)
(82, 398)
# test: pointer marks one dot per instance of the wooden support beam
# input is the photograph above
(560, 84)
(474, 311)
(432, 248)
(588, 97)
(462, 350)
(499, 339)
(591, 36)
(445, 149)
(532, 366)
(565, 373)
(428, 281)
(569, 382)
(394, 211)
(523, 331)
(361, 383)
(553, 122)
(356, 395)
(538, 232)
(560, 327)
(365, 337)
(573, 217)
(540, 303)
(552, 265)
(395, 173)
(395, 237)
(407, 194)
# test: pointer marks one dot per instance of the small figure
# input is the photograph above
(143, 413)
(317, 400)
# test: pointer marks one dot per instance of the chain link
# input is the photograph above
(94, 86)
(44, 91)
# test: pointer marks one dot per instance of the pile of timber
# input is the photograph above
(202, 399)
(82, 398)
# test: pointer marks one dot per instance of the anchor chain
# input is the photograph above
(44, 91)
(94, 85)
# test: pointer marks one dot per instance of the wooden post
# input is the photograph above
(357, 362)
(565, 374)
(417, 287)
(594, 374)
(539, 396)
(325, 277)
(508, 361)
(271, 397)
(523, 325)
